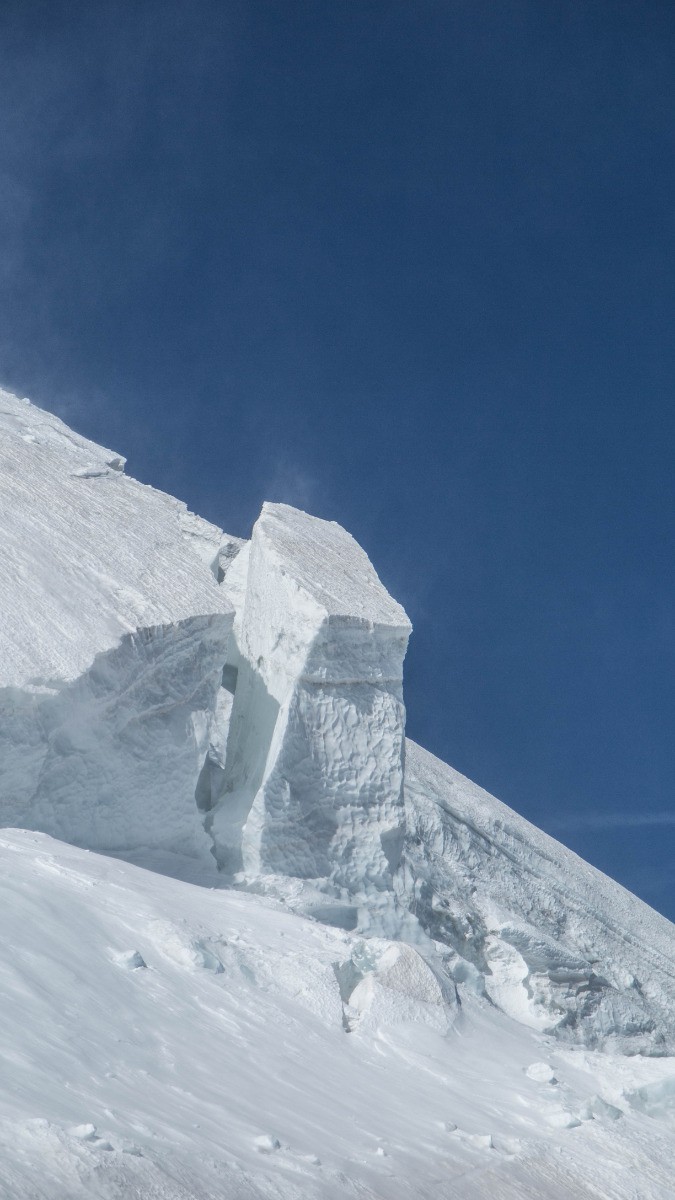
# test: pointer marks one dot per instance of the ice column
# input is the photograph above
(314, 767)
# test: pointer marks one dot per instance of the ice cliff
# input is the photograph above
(313, 778)
(166, 688)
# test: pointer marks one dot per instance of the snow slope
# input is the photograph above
(112, 643)
(393, 986)
(161, 1040)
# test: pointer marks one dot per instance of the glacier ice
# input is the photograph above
(112, 643)
(559, 945)
(112, 759)
(168, 688)
(313, 778)
(165, 1080)
(89, 554)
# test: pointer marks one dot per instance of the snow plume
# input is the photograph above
(293, 484)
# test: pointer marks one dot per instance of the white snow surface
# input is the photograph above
(394, 986)
(162, 1041)
(326, 565)
(558, 945)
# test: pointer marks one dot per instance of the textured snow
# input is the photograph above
(112, 642)
(112, 760)
(394, 986)
(162, 1041)
(324, 563)
(557, 944)
(88, 554)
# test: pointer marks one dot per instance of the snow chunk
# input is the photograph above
(387, 983)
(130, 960)
(266, 1143)
(541, 1072)
(655, 1099)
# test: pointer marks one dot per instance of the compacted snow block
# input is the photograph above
(313, 777)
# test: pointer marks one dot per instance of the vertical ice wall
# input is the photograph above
(113, 636)
(111, 760)
(312, 785)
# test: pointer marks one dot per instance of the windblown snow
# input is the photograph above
(306, 959)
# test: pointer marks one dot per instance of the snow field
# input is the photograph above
(164, 1040)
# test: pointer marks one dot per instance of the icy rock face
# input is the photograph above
(113, 637)
(549, 939)
(312, 785)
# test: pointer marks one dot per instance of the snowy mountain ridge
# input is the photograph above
(230, 713)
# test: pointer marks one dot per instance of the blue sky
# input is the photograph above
(410, 266)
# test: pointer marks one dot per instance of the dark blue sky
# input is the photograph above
(410, 266)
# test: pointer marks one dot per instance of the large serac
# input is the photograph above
(233, 712)
(313, 778)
